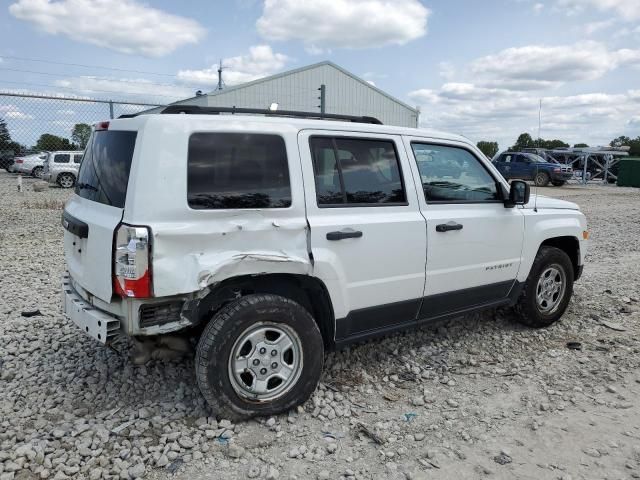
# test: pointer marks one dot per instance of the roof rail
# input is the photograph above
(198, 110)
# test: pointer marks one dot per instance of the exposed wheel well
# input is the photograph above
(308, 291)
(570, 245)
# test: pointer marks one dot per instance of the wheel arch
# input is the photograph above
(568, 244)
(308, 291)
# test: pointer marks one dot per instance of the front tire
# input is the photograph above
(559, 183)
(66, 180)
(260, 355)
(548, 289)
(541, 179)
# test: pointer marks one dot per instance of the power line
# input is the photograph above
(85, 66)
(89, 90)
(93, 77)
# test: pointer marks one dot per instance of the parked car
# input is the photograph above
(30, 164)
(6, 159)
(273, 239)
(61, 167)
(528, 166)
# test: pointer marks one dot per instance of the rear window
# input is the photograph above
(104, 172)
(237, 170)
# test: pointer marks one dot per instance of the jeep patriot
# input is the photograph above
(275, 237)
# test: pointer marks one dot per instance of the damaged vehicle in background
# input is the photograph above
(277, 237)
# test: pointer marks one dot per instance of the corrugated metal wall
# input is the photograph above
(299, 91)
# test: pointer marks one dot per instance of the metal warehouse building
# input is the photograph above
(299, 89)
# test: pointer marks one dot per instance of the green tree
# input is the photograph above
(580, 145)
(551, 144)
(7, 146)
(51, 142)
(488, 148)
(633, 143)
(523, 141)
(80, 134)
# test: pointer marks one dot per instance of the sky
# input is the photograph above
(477, 68)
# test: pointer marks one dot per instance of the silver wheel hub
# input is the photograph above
(265, 361)
(550, 289)
(66, 181)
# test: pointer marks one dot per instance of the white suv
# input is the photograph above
(61, 167)
(276, 237)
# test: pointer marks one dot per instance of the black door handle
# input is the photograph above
(343, 234)
(445, 227)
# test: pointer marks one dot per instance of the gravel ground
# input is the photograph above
(475, 397)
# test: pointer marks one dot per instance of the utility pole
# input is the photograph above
(539, 122)
(220, 82)
(322, 98)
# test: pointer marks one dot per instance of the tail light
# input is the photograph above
(19, 160)
(101, 126)
(131, 261)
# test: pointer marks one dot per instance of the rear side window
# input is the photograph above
(237, 170)
(62, 158)
(104, 173)
(356, 172)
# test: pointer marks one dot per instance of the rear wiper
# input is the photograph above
(88, 186)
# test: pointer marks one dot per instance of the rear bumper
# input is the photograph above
(96, 323)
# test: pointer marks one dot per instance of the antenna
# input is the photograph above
(220, 82)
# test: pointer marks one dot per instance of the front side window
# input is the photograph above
(62, 158)
(354, 171)
(77, 158)
(237, 170)
(452, 174)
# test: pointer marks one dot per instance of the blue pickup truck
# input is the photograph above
(529, 166)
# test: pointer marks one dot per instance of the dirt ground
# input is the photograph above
(475, 397)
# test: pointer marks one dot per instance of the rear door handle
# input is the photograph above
(344, 234)
(445, 227)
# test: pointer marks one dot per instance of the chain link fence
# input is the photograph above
(31, 123)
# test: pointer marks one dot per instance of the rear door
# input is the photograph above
(368, 236)
(92, 214)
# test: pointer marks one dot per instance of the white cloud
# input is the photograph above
(594, 27)
(122, 25)
(537, 8)
(540, 66)
(127, 88)
(261, 61)
(13, 112)
(626, 9)
(344, 23)
(499, 114)
(446, 70)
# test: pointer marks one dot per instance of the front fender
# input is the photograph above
(547, 224)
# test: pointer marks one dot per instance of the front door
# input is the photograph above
(368, 236)
(474, 243)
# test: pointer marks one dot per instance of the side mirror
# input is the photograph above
(518, 194)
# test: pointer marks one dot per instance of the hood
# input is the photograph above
(553, 203)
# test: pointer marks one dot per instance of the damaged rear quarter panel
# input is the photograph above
(195, 249)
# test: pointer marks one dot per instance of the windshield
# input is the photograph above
(535, 158)
(104, 171)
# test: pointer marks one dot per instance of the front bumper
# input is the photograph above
(95, 323)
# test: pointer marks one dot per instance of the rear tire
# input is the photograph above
(66, 180)
(260, 355)
(548, 289)
(541, 179)
(37, 172)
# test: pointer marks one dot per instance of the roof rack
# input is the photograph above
(198, 110)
